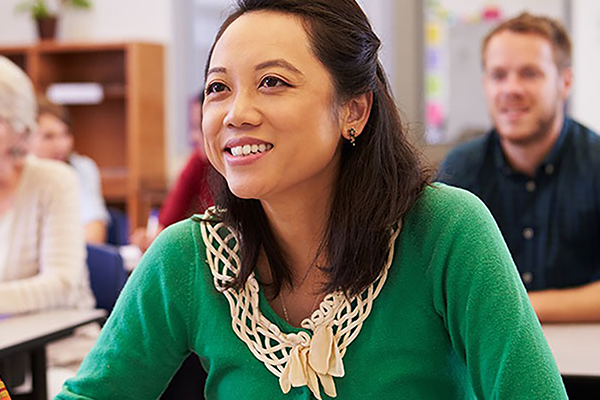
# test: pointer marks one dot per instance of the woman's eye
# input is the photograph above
(215, 87)
(271, 81)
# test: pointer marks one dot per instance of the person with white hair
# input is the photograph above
(42, 248)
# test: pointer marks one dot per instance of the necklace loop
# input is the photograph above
(295, 358)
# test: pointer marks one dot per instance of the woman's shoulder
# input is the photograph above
(445, 208)
(176, 248)
(197, 229)
(82, 163)
(44, 172)
(445, 199)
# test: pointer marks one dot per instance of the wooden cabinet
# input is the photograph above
(124, 133)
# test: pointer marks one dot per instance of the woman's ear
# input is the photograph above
(356, 114)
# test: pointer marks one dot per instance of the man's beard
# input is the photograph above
(541, 131)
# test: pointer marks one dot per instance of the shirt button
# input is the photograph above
(528, 233)
(549, 168)
(530, 186)
(527, 277)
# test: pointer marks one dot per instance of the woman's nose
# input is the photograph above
(243, 111)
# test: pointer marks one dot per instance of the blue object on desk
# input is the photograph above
(118, 227)
(107, 274)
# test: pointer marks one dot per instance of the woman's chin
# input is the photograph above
(244, 191)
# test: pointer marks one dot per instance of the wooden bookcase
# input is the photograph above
(124, 133)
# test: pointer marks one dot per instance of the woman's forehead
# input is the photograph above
(263, 33)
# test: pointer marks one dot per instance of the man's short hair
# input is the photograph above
(546, 27)
(58, 111)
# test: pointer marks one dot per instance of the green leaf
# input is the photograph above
(39, 9)
(81, 3)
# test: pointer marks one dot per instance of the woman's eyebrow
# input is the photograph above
(267, 64)
(278, 63)
(215, 70)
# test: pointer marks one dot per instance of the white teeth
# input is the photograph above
(248, 149)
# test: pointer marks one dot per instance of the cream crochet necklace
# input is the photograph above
(297, 359)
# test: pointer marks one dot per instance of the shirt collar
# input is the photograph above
(550, 163)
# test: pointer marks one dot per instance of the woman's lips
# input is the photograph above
(245, 151)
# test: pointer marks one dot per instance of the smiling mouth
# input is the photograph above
(515, 110)
(249, 149)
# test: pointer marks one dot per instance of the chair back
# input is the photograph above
(118, 228)
(107, 274)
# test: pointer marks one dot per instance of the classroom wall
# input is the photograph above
(135, 19)
(586, 62)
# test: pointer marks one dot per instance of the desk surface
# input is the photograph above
(576, 348)
(22, 332)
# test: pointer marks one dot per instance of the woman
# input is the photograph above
(328, 267)
(42, 256)
(42, 252)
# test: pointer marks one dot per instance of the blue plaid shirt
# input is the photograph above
(551, 222)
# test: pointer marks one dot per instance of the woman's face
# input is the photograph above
(269, 123)
(13, 148)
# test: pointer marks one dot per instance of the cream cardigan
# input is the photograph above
(43, 260)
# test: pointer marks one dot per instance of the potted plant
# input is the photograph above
(45, 13)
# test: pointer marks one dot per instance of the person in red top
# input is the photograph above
(190, 194)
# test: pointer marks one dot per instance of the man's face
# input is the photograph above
(524, 88)
(53, 139)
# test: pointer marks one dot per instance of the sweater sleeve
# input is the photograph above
(150, 331)
(484, 305)
(61, 248)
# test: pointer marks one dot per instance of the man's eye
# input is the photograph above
(529, 73)
(271, 81)
(497, 75)
(215, 87)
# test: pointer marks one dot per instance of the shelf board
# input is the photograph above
(115, 183)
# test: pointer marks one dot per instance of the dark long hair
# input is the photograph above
(380, 178)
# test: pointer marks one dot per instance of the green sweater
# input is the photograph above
(453, 321)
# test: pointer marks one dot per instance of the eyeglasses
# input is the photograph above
(17, 151)
(15, 145)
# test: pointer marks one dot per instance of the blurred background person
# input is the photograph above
(42, 248)
(190, 194)
(537, 170)
(53, 140)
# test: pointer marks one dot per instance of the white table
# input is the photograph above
(576, 348)
(29, 333)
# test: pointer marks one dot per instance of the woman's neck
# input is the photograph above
(299, 224)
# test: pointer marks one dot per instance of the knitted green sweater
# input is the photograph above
(452, 321)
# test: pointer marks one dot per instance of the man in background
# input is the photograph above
(537, 170)
(54, 140)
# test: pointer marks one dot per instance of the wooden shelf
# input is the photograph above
(124, 133)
